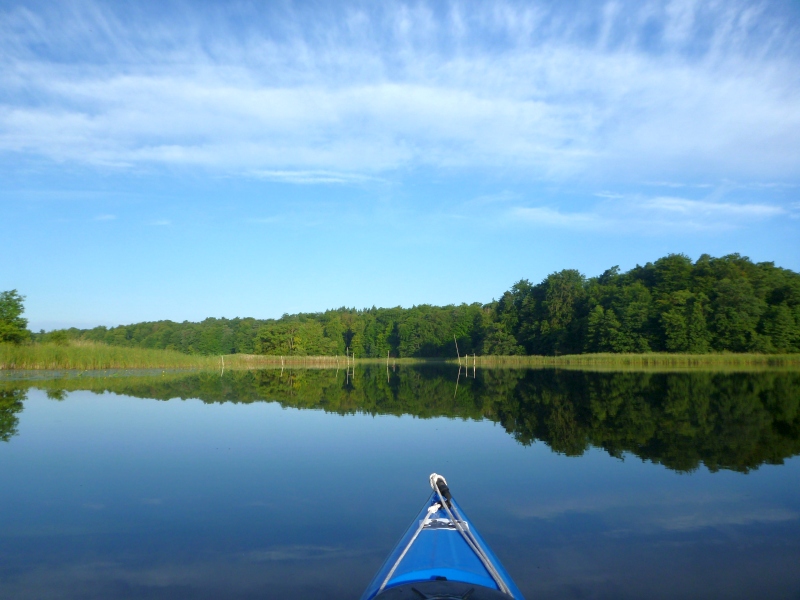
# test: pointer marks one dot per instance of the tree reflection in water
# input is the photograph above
(11, 399)
(723, 420)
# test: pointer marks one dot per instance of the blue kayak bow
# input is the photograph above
(442, 557)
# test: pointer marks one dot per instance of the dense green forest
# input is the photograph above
(672, 305)
(735, 421)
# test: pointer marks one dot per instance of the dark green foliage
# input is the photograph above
(500, 342)
(209, 337)
(672, 305)
(296, 337)
(12, 325)
(684, 323)
(736, 312)
(58, 337)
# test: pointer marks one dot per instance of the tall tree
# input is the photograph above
(13, 328)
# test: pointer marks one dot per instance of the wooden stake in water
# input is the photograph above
(457, 353)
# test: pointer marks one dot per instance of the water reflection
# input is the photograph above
(123, 497)
(725, 420)
(11, 399)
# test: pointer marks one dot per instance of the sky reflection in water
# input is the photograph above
(116, 495)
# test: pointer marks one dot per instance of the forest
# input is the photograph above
(726, 304)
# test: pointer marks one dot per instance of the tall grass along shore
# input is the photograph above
(95, 356)
(90, 356)
(650, 360)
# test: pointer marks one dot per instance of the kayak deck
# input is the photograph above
(441, 555)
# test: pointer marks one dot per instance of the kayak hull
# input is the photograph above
(441, 590)
(436, 555)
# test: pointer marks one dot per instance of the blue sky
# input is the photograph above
(179, 160)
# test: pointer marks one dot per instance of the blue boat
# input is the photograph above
(442, 557)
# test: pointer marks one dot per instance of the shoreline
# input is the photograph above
(99, 357)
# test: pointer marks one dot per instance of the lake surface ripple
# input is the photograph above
(297, 484)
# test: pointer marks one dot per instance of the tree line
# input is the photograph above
(671, 305)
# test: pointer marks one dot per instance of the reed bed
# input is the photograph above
(92, 356)
(652, 360)
(262, 361)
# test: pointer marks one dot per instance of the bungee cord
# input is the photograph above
(457, 521)
(468, 537)
(431, 509)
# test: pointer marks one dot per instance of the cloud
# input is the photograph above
(620, 213)
(678, 184)
(105, 217)
(550, 217)
(661, 90)
(312, 177)
(161, 223)
(670, 207)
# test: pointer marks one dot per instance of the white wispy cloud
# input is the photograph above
(105, 217)
(678, 184)
(682, 207)
(619, 213)
(610, 195)
(551, 217)
(312, 177)
(658, 90)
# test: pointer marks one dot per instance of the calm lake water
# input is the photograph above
(298, 484)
